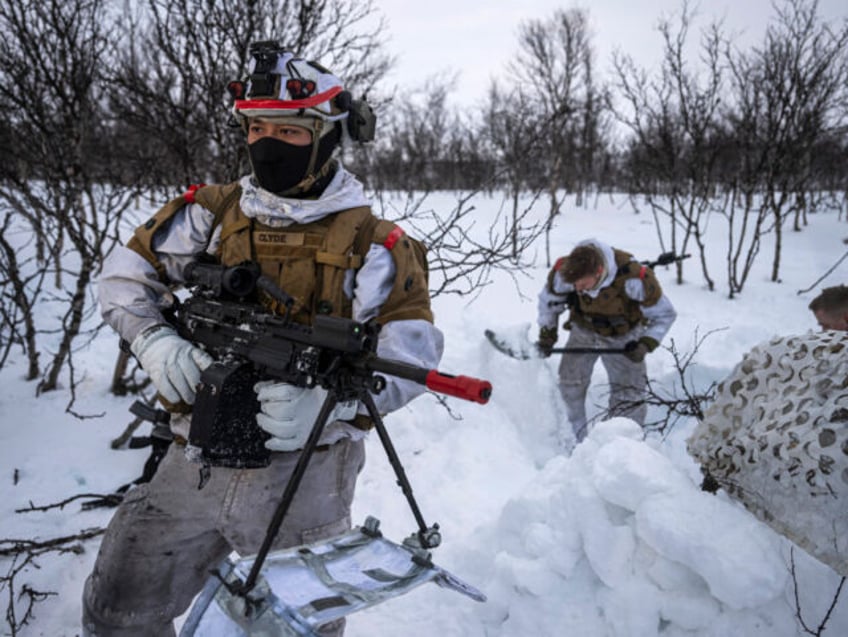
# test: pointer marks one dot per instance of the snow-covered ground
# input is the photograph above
(615, 539)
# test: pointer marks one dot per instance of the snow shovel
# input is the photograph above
(517, 345)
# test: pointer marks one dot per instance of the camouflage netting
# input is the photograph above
(776, 439)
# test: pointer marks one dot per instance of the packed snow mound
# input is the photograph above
(776, 439)
(601, 530)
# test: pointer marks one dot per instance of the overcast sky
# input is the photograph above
(478, 38)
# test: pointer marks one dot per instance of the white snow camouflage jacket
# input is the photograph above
(132, 296)
(659, 317)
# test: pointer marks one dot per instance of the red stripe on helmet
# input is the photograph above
(393, 238)
(642, 271)
(289, 105)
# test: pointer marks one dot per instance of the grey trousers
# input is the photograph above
(166, 535)
(627, 380)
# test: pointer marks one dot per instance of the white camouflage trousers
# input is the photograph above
(627, 380)
(167, 535)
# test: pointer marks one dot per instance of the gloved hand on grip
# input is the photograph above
(637, 350)
(288, 413)
(547, 339)
(173, 363)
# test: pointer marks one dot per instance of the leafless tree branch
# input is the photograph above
(819, 630)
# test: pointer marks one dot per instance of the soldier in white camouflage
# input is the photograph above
(615, 303)
(307, 222)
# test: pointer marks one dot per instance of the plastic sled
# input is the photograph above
(303, 587)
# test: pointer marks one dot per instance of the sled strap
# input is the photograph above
(318, 565)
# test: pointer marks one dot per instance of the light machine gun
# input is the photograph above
(249, 343)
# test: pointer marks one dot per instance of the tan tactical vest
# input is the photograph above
(612, 312)
(308, 261)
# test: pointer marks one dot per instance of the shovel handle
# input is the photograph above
(586, 350)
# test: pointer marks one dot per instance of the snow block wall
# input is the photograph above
(618, 541)
(776, 439)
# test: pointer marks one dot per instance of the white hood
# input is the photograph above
(343, 192)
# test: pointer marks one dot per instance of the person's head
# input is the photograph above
(583, 268)
(831, 308)
(295, 113)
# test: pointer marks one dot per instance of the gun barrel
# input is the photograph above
(465, 387)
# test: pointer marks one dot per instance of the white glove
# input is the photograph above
(173, 364)
(288, 413)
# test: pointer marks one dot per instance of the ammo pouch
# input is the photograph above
(603, 325)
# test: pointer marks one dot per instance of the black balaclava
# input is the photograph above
(279, 166)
